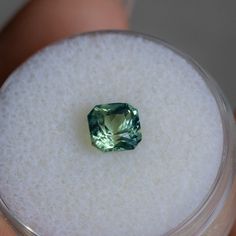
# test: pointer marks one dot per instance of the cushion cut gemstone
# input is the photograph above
(114, 127)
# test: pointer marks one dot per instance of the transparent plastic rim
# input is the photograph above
(204, 212)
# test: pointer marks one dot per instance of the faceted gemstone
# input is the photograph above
(114, 127)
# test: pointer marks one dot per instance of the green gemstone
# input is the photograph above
(114, 127)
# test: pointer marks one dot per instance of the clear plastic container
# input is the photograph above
(216, 214)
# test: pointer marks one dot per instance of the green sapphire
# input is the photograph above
(114, 127)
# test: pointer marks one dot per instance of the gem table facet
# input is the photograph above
(114, 127)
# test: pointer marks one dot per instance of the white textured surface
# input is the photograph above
(59, 184)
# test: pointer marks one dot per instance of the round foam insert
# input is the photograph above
(58, 184)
